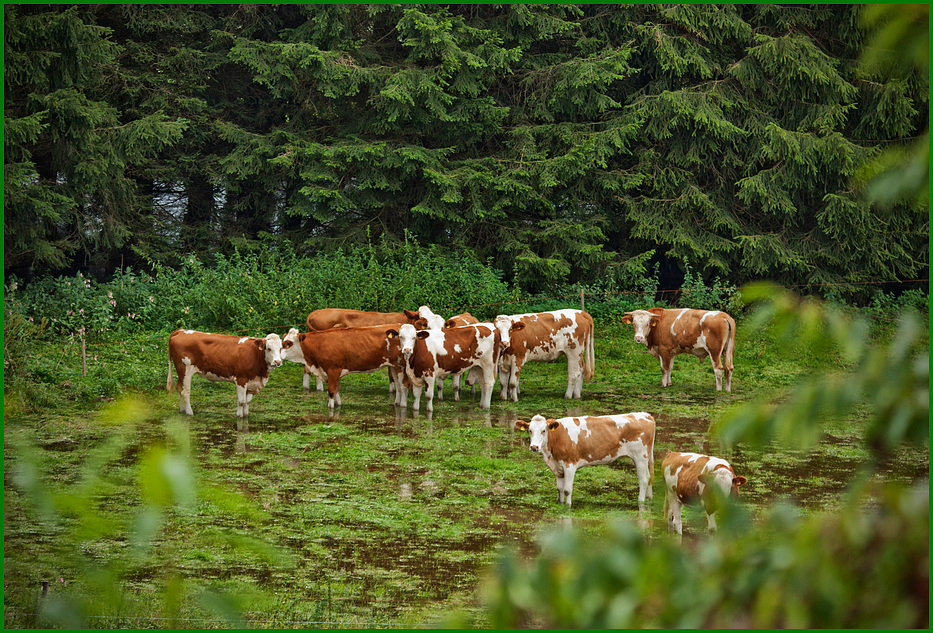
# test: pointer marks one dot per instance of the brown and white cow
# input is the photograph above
(327, 318)
(568, 444)
(474, 375)
(430, 355)
(669, 332)
(243, 360)
(543, 336)
(332, 354)
(688, 478)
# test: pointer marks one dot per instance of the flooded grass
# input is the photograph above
(370, 515)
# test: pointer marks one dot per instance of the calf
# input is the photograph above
(543, 336)
(331, 354)
(688, 478)
(430, 355)
(569, 444)
(243, 360)
(669, 332)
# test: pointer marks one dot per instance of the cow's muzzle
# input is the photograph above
(534, 449)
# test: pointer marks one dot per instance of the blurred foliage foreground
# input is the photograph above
(866, 565)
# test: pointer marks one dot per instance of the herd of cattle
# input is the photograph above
(420, 349)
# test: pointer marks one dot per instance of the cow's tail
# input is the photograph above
(169, 381)
(589, 357)
(651, 463)
(730, 343)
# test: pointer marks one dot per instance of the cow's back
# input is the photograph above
(327, 318)
(547, 334)
(353, 349)
(593, 439)
(219, 355)
(681, 328)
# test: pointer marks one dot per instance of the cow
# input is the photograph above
(474, 375)
(327, 318)
(568, 444)
(337, 352)
(669, 332)
(543, 336)
(688, 478)
(430, 355)
(243, 360)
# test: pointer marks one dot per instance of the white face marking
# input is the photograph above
(503, 324)
(538, 429)
(641, 320)
(407, 335)
(293, 353)
(273, 350)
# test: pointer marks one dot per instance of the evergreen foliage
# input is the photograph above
(553, 140)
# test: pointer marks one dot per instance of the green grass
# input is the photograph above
(366, 516)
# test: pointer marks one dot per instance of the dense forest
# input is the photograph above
(557, 143)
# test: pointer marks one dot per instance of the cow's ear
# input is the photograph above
(517, 326)
(654, 322)
(658, 311)
(260, 343)
(552, 424)
(391, 333)
(287, 344)
(626, 318)
(423, 334)
(739, 480)
(301, 337)
(411, 315)
(420, 324)
(449, 323)
(521, 425)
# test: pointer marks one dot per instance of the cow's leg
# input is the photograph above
(393, 381)
(504, 372)
(440, 388)
(716, 359)
(574, 375)
(667, 366)
(429, 392)
(513, 381)
(333, 389)
(569, 472)
(455, 385)
(489, 382)
(184, 391)
(711, 521)
(643, 476)
(306, 381)
(416, 390)
(242, 402)
(672, 511)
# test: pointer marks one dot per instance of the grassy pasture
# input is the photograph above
(367, 516)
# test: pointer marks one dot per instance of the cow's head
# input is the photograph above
(538, 426)
(506, 327)
(407, 336)
(411, 315)
(643, 320)
(435, 321)
(272, 345)
(291, 350)
(737, 481)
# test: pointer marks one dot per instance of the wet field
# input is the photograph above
(371, 515)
